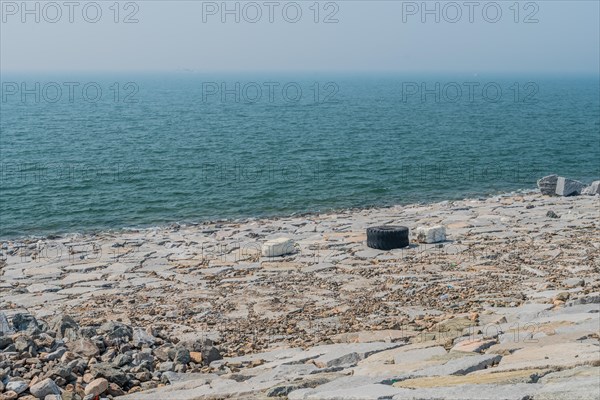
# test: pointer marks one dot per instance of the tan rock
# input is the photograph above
(96, 387)
(562, 296)
(134, 389)
(87, 378)
(115, 390)
(84, 347)
(475, 346)
(10, 395)
(196, 357)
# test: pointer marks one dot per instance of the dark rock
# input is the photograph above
(5, 341)
(210, 354)
(56, 354)
(65, 327)
(10, 349)
(552, 214)
(27, 323)
(182, 356)
(122, 359)
(144, 366)
(547, 185)
(87, 332)
(109, 372)
(141, 337)
(59, 370)
(197, 344)
(116, 331)
(141, 357)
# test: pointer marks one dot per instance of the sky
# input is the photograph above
(395, 36)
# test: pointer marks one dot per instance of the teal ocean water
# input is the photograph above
(83, 153)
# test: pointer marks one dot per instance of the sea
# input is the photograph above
(92, 152)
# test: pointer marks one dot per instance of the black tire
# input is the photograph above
(387, 237)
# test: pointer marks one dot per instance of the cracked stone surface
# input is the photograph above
(507, 307)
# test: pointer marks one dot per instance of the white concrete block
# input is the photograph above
(278, 247)
(430, 234)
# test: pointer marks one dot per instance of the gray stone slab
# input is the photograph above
(461, 366)
(568, 187)
(373, 391)
(581, 388)
(346, 355)
(519, 391)
(547, 184)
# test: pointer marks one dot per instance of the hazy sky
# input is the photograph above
(369, 36)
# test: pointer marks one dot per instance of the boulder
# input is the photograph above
(107, 371)
(44, 388)
(278, 247)
(65, 327)
(26, 323)
(17, 386)
(547, 184)
(116, 331)
(593, 189)
(96, 387)
(568, 187)
(142, 337)
(210, 354)
(85, 347)
(431, 234)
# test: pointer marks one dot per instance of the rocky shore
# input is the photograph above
(507, 307)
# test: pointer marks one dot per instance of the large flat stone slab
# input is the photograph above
(574, 388)
(367, 392)
(346, 355)
(475, 378)
(461, 366)
(520, 391)
(561, 355)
